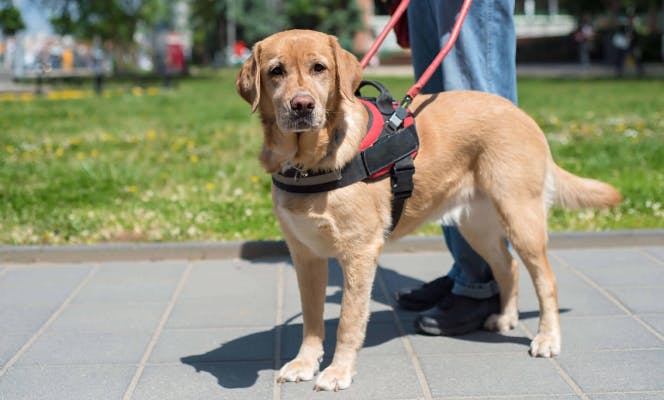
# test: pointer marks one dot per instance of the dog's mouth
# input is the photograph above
(294, 122)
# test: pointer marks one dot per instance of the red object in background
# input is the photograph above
(175, 56)
(240, 48)
(401, 26)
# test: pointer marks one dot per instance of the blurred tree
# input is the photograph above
(208, 27)
(341, 18)
(215, 22)
(11, 20)
(114, 20)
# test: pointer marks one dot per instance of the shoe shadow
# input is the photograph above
(238, 363)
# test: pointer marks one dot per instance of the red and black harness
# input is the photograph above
(388, 149)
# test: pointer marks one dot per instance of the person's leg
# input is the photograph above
(483, 58)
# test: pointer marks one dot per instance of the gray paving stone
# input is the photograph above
(505, 374)
(71, 382)
(640, 300)
(628, 396)
(381, 339)
(218, 312)
(223, 325)
(656, 321)
(657, 252)
(214, 345)
(616, 267)
(378, 377)
(10, 344)
(575, 298)
(40, 285)
(525, 397)
(231, 280)
(380, 308)
(87, 348)
(475, 342)
(132, 282)
(24, 318)
(616, 371)
(603, 257)
(411, 270)
(227, 381)
(583, 334)
(109, 318)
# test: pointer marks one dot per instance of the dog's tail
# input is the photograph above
(574, 192)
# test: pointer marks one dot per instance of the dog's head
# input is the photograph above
(297, 78)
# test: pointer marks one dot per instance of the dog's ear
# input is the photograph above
(349, 71)
(248, 82)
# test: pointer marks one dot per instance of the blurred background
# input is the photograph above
(119, 119)
(82, 37)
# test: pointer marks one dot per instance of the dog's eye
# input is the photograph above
(276, 71)
(319, 67)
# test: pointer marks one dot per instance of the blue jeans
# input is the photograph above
(483, 58)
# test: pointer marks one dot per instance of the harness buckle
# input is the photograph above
(402, 178)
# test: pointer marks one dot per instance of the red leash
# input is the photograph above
(415, 89)
(403, 5)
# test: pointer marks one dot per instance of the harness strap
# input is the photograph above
(362, 166)
(402, 187)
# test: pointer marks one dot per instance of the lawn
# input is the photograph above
(180, 165)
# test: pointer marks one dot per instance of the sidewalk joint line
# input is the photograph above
(279, 319)
(610, 297)
(651, 256)
(419, 372)
(157, 333)
(56, 314)
(561, 372)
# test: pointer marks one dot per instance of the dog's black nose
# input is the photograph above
(302, 104)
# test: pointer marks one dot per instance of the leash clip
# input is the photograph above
(400, 114)
(396, 119)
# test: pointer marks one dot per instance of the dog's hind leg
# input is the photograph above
(483, 230)
(526, 223)
(312, 280)
(359, 270)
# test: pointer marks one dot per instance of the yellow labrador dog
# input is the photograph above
(483, 163)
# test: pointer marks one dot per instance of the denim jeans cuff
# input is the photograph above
(476, 290)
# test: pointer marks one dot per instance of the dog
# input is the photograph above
(483, 164)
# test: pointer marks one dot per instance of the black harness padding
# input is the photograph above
(391, 155)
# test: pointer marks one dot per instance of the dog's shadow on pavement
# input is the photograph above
(237, 362)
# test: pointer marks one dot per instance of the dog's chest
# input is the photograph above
(316, 231)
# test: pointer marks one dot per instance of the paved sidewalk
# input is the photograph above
(219, 329)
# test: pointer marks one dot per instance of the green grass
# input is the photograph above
(181, 165)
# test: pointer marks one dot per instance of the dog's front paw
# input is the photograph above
(501, 322)
(545, 345)
(334, 378)
(298, 370)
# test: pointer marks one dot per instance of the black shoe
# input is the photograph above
(457, 315)
(425, 296)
